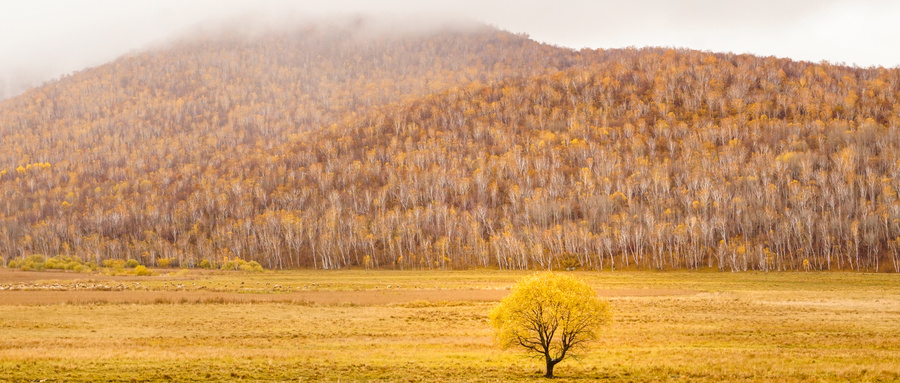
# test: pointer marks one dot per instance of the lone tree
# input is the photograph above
(550, 314)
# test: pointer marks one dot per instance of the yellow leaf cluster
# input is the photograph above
(551, 310)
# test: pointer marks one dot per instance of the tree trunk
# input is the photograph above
(550, 363)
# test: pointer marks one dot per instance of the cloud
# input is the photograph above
(43, 39)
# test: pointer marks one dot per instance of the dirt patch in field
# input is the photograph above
(363, 298)
(19, 276)
(610, 293)
(305, 297)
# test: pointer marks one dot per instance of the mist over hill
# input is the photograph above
(348, 144)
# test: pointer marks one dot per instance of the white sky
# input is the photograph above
(43, 39)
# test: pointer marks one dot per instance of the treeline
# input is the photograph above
(654, 159)
(647, 159)
(84, 156)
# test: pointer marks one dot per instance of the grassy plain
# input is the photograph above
(410, 326)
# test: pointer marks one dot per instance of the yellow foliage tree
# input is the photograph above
(550, 314)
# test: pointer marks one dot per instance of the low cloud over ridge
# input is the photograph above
(43, 40)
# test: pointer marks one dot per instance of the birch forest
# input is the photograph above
(340, 146)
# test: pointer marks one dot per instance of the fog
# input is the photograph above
(43, 39)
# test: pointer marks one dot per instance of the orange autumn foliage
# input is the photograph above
(328, 147)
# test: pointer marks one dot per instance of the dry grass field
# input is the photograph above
(299, 326)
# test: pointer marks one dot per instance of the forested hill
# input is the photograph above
(330, 147)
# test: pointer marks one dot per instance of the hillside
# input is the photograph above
(155, 130)
(655, 159)
(328, 147)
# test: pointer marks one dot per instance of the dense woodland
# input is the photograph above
(339, 146)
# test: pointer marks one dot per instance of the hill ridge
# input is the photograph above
(640, 158)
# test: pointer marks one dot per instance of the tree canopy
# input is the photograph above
(550, 314)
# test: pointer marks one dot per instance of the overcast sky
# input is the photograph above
(43, 39)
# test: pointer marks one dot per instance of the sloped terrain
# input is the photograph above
(122, 154)
(330, 148)
(651, 158)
